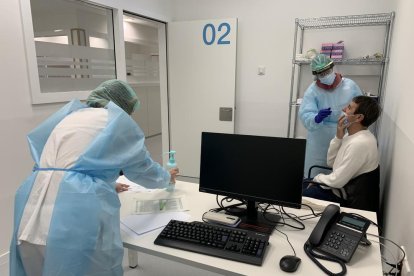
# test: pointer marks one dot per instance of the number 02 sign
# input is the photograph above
(216, 34)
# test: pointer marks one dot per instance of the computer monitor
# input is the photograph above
(256, 169)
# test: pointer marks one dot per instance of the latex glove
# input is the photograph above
(322, 114)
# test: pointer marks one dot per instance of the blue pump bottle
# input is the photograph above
(171, 164)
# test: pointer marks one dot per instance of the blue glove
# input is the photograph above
(322, 114)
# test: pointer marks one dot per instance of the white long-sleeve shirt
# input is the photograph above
(349, 157)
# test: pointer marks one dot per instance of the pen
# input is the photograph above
(162, 204)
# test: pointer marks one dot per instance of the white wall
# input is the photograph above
(17, 115)
(265, 38)
(397, 133)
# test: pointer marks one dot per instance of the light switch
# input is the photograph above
(261, 70)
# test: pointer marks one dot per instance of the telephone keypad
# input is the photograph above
(341, 242)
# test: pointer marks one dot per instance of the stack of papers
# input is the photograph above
(150, 209)
(136, 225)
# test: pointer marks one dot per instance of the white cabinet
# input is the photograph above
(362, 35)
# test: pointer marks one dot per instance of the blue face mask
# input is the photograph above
(328, 79)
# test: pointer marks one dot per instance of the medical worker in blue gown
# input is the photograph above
(321, 107)
(66, 217)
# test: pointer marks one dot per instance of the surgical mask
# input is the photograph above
(347, 123)
(328, 79)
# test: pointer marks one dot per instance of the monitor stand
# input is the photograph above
(254, 220)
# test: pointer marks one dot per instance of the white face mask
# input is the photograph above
(347, 123)
(328, 79)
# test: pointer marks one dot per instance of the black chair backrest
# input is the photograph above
(363, 191)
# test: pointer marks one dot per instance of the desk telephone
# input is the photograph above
(336, 236)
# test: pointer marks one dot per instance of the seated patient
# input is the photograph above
(351, 154)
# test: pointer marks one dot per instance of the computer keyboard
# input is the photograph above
(220, 241)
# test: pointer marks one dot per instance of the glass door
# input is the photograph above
(143, 74)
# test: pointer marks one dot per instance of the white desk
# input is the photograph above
(366, 260)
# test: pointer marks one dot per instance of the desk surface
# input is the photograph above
(366, 260)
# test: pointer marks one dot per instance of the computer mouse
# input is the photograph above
(289, 263)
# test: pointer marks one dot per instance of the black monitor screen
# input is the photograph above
(253, 168)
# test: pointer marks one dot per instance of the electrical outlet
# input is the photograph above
(406, 268)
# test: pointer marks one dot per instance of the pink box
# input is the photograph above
(337, 52)
(336, 56)
(338, 46)
(326, 52)
(327, 46)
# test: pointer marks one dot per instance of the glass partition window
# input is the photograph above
(74, 43)
(141, 49)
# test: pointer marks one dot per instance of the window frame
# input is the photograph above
(32, 67)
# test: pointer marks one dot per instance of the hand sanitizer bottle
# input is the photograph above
(171, 164)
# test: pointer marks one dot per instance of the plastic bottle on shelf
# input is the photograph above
(171, 164)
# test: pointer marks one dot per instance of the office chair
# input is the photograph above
(362, 191)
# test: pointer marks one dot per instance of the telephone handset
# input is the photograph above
(338, 234)
(327, 219)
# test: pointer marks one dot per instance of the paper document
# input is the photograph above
(159, 205)
(141, 224)
(134, 187)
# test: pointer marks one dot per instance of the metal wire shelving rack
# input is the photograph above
(301, 25)
(345, 21)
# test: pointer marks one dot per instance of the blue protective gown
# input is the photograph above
(320, 135)
(84, 234)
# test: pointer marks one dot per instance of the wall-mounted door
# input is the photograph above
(202, 80)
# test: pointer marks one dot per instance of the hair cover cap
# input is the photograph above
(117, 91)
(321, 63)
